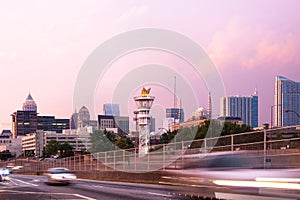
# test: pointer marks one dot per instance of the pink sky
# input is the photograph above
(43, 45)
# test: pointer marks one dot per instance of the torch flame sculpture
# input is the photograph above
(144, 103)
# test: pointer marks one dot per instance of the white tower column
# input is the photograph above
(144, 103)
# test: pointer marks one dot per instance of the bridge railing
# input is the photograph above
(273, 148)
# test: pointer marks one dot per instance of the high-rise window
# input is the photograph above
(286, 102)
(243, 107)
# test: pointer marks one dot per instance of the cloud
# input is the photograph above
(134, 12)
(251, 46)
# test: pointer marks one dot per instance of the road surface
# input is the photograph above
(27, 187)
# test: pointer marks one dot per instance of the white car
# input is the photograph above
(4, 172)
(60, 176)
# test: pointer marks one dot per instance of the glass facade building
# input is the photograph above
(176, 113)
(245, 108)
(111, 109)
(286, 102)
(49, 123)
(119, 122)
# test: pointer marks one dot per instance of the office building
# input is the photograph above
(176, 113)
(110, 122)
(74, 120)
(25, 121)
(286, 102)
(111, 109)
(84, 118)
(49, 123)
(35, 142)
(7, 143)
(243, 107)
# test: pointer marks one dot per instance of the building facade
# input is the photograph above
(23, 122)
(111, 109)
(84, 118)
(74, 120)
(241, 106)
(35, 142)
(49, 123)
(176, 113)
(109, 122)
(7, 143)
(286, 102)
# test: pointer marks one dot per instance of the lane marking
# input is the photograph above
(67, 194)
(98, 186)
(26, 182)
(221, 195)
(84, 197)
(158, 194)
(296, 180)
(257, 184)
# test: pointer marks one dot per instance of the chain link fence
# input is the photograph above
(272, 148)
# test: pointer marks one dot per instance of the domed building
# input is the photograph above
(200, 113)
(29, 104)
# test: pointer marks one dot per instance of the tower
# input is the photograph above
(83, 117)
(29, 104)
(25, 121)
(144, 103)
(209, 106)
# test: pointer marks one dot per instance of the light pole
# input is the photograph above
(297, 114)
(136, 129)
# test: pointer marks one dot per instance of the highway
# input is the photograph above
(275, 184)
(28, 187)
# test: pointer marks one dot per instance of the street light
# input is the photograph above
(297, 114)
(136, 128)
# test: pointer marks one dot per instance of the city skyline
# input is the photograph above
(250, 43)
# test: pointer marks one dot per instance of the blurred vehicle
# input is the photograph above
(60, 176)
(4, 172)
(233, 173)
(13, 168)
(223, 160)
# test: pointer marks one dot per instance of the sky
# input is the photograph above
(44, 44)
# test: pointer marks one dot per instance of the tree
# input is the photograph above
(124, 143)
(54, 147)
(66, 150)
(209, 128)
(103, 140)
(4, 155)
(100, 143)
(51, 148)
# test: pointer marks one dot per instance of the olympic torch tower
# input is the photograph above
(144, 103)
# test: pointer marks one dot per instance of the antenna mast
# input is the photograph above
(175, 104)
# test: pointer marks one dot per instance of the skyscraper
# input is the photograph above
(25, 121)
(286, 102)
(84, 118)
(29, 104)
(111, 109)
(176, 113)
(74, 120)
(244, 107)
